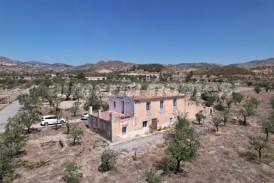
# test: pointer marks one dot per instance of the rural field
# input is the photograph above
(225, 156)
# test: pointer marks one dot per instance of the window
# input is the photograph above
(124, 129)
(114, 104)
(174, 102)
(161, 104)
(170, 120)
(144, 124)
(148, 106)
(51, 117)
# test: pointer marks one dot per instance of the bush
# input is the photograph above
(73, 173)
(108, 160)
(32, 165)
(168, 165)
(152, 177)
(209, 98)
(257, 89)
(219, 107)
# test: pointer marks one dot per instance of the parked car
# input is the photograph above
(84, 116)
(51, 119)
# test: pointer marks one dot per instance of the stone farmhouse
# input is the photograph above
(140, 112)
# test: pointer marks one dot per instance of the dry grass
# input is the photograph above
(223, 157)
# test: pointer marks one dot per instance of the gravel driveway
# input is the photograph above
(129, 145)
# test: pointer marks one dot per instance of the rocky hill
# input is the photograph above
(105, 66)
(256, 64)
(11, 65)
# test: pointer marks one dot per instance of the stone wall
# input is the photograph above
(100, 126)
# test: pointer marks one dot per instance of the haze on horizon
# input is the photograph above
(139, 31)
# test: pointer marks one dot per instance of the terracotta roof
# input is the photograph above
(105, 115)
(154, 94)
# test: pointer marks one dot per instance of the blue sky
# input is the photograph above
(141, 31)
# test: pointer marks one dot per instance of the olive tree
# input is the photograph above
(93, 100)
(68, 89)
(267, 127)
(28, 118)
(200, 116)
(247, 111)
(76, 134)
(11, 142)
(75, 108)
(225, 115)
(258, 143)
(217, 120)
(181, 143)
(237, 97)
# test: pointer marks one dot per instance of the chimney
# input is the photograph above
(90, 110)
(99, 113)
(111, 117)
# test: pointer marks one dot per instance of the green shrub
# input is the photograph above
(73, 173)
(219, 107)
(152, 177)
(108, 160)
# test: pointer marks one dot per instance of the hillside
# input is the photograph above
(256, 64)
(10, 65)
(33, 66)
(225, 70)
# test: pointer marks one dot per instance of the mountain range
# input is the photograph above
(11, 65)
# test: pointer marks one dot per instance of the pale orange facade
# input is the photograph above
(131, 116)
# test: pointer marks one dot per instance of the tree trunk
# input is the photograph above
(244, 120)
(266, 133)
(178, 166)
(260, 155)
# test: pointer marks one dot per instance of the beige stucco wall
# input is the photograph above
(192, 108)
(135, 124)
(162, 115)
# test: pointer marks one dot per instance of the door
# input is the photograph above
(154, 124)
(53, 120)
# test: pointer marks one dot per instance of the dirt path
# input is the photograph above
(7, 113)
